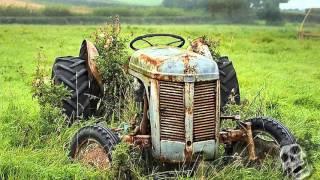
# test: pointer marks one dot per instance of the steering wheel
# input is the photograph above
(143, 38)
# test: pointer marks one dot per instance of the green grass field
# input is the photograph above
(269, 60)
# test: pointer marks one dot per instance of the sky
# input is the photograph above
(300, 4)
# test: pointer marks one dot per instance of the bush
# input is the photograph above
(17, 11)
(56, 11)
(50, 98)
(111, 62)
(139, 11)
(234, 10)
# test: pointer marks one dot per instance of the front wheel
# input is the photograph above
(269, 137)
(273, 140)
(93, 145)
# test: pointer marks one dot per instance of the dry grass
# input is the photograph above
(19, 3)
(81, 10)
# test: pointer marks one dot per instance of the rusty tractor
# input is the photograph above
(182, 97)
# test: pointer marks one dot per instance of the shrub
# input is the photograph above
(139, 11)
(17, 11)
(50, 98)
(111, 62)
(56, 11)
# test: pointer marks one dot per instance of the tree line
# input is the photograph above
(241, 10)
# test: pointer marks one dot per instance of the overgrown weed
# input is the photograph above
(112, 63)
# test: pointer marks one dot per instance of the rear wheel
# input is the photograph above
(72, 72)
(229, 87)
(93, 145)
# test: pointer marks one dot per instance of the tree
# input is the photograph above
(242, 9)
(238, 10)
(186, 4)
(268, 10)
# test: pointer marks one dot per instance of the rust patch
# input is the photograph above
(251, 145)
(140, 141)
(243, 134)
(145, 123)
(229, 136)
(189, 110)
(188, 151)
(166, 77)
(89, 52)
(187, 68)
(200, 46)
(148, 59)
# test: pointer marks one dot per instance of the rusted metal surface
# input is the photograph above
(242, 134)
(207, 149)
(170, 76)
(173, 64)
(232, 135)
(144, 123)
(92, 153)
(204, 118)
(141, 141)
(302, 33)
(145, 80)
(218, 115)
(154, 114)
(172, 118)
(188, 110)
(199, 46)
(250, 142)
(89, 52)
(234, 118)
(172, 151)
(177, 103)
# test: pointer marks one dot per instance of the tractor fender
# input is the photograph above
(89, 53)
(200, 46)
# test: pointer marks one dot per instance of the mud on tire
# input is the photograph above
(72, 72)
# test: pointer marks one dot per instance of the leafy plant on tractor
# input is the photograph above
(112, 62)
(213, 45)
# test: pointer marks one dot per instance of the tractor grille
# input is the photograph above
(172, 126)
(204, 117)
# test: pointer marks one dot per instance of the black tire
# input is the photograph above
(229, 82)
(281, 134)
(275, 129)
(104, 136)
(73, 73)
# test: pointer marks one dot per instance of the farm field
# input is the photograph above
(270, 61)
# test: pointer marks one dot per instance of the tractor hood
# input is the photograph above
(173, 64)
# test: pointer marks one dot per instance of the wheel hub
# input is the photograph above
(92, 153)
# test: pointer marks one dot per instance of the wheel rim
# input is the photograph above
(265, 146)
(92, 153)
